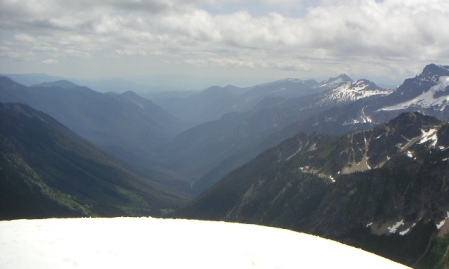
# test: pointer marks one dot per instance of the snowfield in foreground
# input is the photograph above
(169, 243)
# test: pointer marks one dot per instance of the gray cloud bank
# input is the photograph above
(390, 37)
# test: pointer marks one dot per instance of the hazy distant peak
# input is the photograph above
(6, 82)
(337, 80)
(59, 83)
(129, 93)
(293, 80)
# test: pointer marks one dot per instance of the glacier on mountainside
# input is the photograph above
(426, 99)
(352, 91)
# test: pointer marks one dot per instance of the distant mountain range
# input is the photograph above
(332, 107)
(103, 85)
(344, 159)
(127, 125)
(215, 101)
(48, 171)
(385, 189)
(235, 124)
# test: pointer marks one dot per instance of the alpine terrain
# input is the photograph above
(48, 171)
(384, 189)
(343, 159)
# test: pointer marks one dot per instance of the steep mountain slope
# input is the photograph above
(435, 98)
(354, 90)
(385, 189)
(209, 151)
(126, 125)
(426, 93)
(413, 87)
(48, 171)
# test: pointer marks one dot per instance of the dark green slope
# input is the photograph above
(126, 125)
(315, 184)
(48, 171)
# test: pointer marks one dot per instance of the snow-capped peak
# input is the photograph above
(437, 97)
(352, 91)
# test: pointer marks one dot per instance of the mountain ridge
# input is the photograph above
(127, 125)
(48, 171)
(300, 185)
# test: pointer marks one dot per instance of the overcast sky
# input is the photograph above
(385, 41)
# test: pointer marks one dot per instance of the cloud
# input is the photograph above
(358, 34)
(50, 61)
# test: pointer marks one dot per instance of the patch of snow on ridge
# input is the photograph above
(439, 225)
(407, 230)
(442, 222)
(404, 232)
(394, 228)
(426, 99)
(430, 135)
(168, 243)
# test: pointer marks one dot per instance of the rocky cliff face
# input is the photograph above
(388, 186)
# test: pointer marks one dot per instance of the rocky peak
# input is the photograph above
(335, 81)
(433, 72)
(353, 90)
(409, 120)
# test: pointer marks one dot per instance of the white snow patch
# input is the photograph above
(168, 243)
(426, 99)
(409, 154)
(439, 225)
(405, 232)
(352, 91)
(430, 135)
(394, 228)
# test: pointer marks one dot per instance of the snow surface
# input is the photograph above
(352, 91)
(442, 222)
(430, 135)
(394, 228)
(426, 99)
(168, 243)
